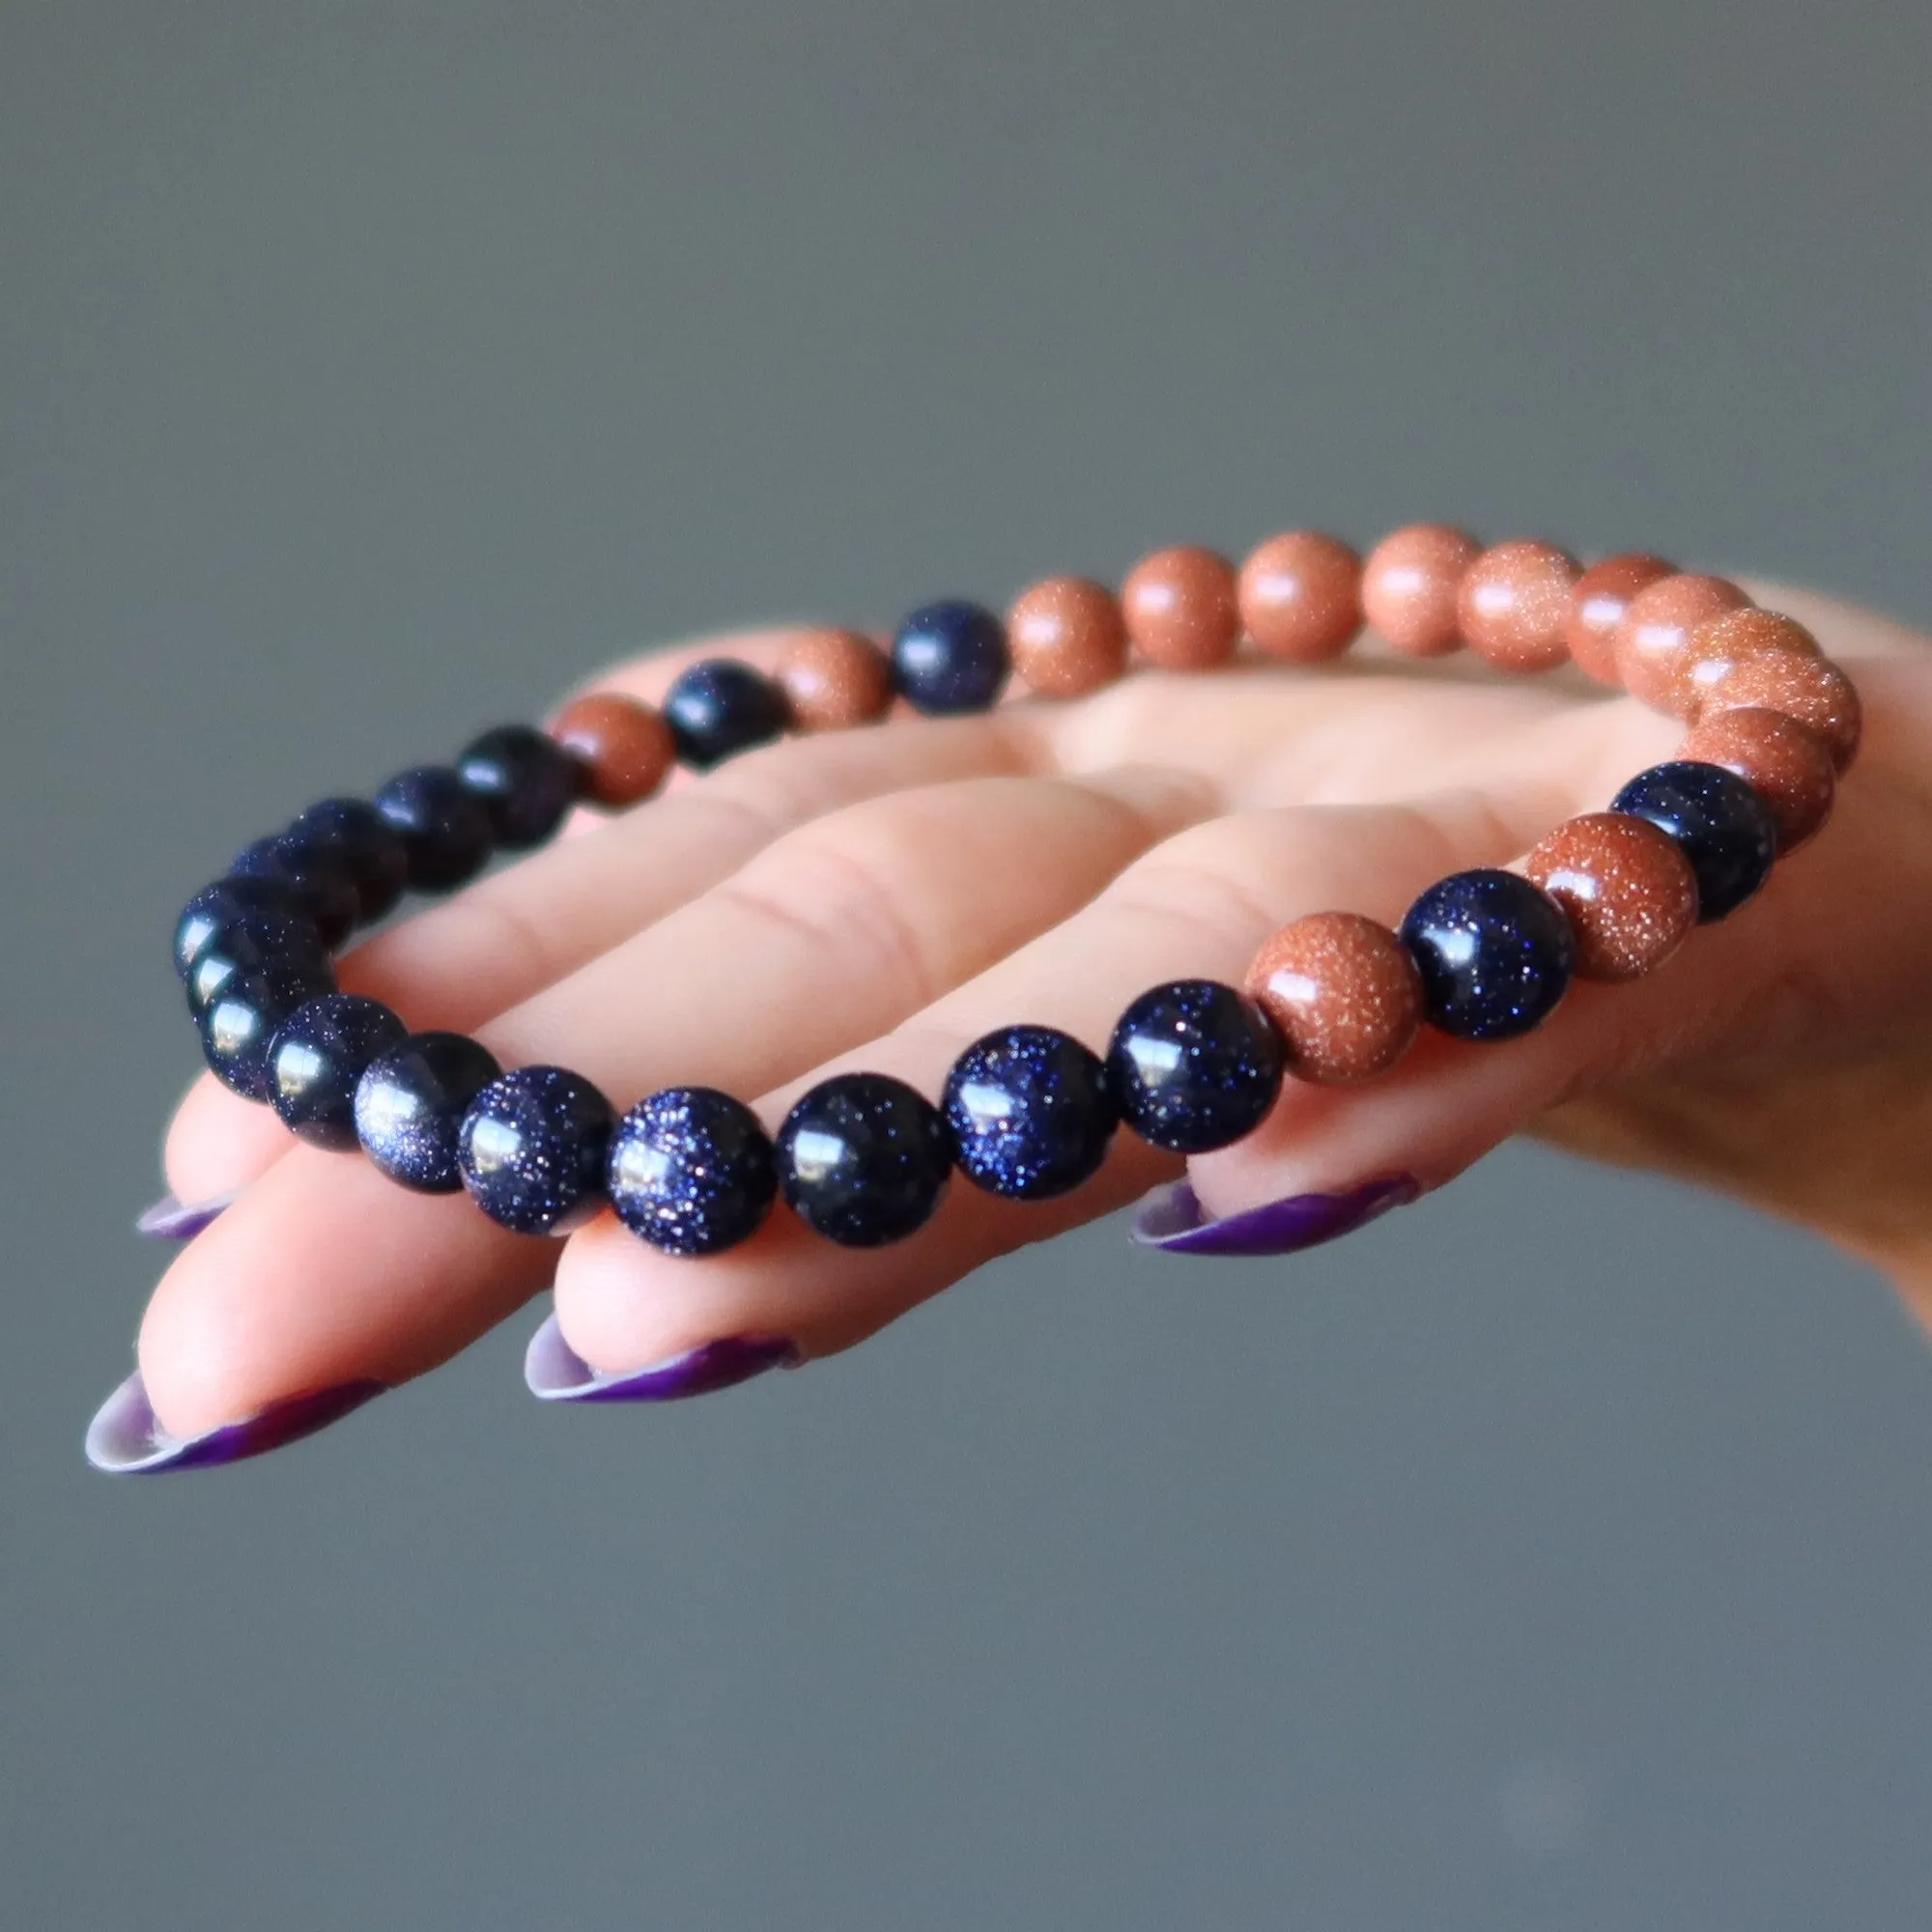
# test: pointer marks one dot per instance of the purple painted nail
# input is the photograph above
(125, 1438)
(555, 1371)
(171, 1219)
(1170, 1218)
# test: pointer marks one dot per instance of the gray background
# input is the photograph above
(1555, 1555)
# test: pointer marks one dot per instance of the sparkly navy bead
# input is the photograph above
(367, 845)
(691, 1170)
(951, 657)
(862, 1159)
(319, 1055)
(526, 782)
(251, 940)
(409, 1106)
(532, 1148)
(1719, 824)
(1494, 952)
(443, 827)
(719, 707)
(242, 1019)
(325, 892)
(1029, 1113)
(1194, 1066)
(220, 905)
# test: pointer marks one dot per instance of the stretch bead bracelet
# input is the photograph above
(1028, 1112)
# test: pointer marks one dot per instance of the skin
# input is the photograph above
(880, 898)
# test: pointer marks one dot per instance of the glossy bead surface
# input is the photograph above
(1816, 692)
(862, 1159)
(1628, 894)
(1598, 601)
(325, 892)
(1343, 992)
(1066, 637)
(623, 747)
(248, 942)
(1786, 763)
(443, 827)
(1513, 605)
(834, 680)
(691, 1170)
(1494, 952)
(1028, 1112)
(1301, 595)
(951, 657)
(1649, 642)
(1730, 638)
(220, 905)
(719, 707)
(1719, 823)
(1409, 585)
(316, 1058)
(1180, 609)
(527, 781)
(1194, 1066)
(367, 845)
(241, 1020)
(532, 1148)
(409, 1106)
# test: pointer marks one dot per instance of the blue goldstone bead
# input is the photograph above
(1719, 824)
(1028, 1112)
(719, 707)
(240, 1022)
(324, 890)
(532, 1148)
(691, 1170)
(249, 941)
(443, 827)
(951, 657)
(217, 905)
(368, 846)
(1495, 953)
(1194, 1066)
(862, 1159)
(526, 782)
(409, 1106)
(318, 1056)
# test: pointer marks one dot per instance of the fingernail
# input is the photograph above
(125, 1438)
(171, 1219)
(1171, 1218)
(555, 1372)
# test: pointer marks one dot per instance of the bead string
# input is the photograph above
(1028, 1112)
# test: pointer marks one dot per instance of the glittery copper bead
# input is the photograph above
(1786, 763)
(1728, 639)
(1650, 642)
(835, 679)
(1627, 891)
(1301, 596)
(1597, 606)
(1409, 585)
(1512, 606)
(1180, 608)
(1066, 637)
(1344, 993)
(1811, 690)
(623, 745)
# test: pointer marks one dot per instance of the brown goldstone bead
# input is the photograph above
(1512, 606)
(1597, 606)
(1627, 891)
(1650, 642)
(1721, 642)
(1786, 763)
(1344, 993)
(1301, 596)
(1811, 690)
(1066, 637)
(624, 745)
(835, 679)
(1180, 608)
(1409, 584)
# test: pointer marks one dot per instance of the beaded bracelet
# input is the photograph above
(1028, 1112)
